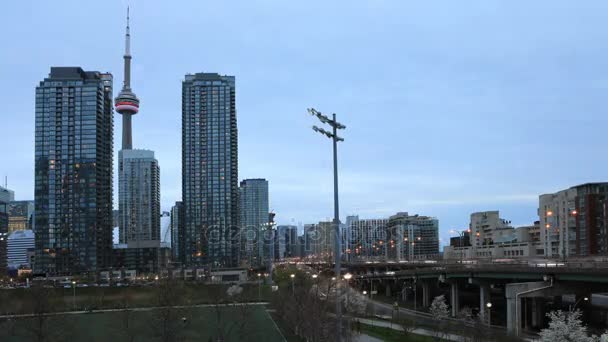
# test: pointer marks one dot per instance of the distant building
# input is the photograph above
(139, 198)
(320, 240)
(254, 208)
(486, 226)
(19, 243)
(3, 234)
(412, 237)
(73, 172)
(6, 195)
(177, 232)
(574, 221)
(210, 170)
(367, 239)
(301, 246)
(462, 240)
(20, 215)
(286, 240)
(142, 259)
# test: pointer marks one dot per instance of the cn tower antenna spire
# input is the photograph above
(126, 103)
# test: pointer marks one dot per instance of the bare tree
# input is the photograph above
(168, 320)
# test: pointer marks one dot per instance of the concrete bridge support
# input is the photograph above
(484, 298)
(514, 293)
(388, 289)
(426, 294)
(454, 298)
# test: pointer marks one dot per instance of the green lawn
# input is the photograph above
(387, 334)
(252, 323)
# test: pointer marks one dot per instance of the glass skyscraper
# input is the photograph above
(73, 171)
(210, 171)
(254, 215)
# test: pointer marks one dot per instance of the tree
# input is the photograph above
(168, 321)
(565, 326)
(439, 308)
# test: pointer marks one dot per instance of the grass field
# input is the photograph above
(202, 324)
(19, 301)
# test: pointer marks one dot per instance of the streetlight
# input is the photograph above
(335, 125)
(489, 306)
(460, 238)
(364, 292)
(293, 289)
(74, 295)
(347, 277)
(572, 307)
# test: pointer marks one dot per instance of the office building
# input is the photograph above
(412, 237)
(177, 231)
(286, 240)
(574, 221)
(73, 171)
(320, 240)
(210, 170)
(139, 199)
(254, 208)
(20, 216)
(20, 244)
(463, 240)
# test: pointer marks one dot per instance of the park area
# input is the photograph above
(208, 323)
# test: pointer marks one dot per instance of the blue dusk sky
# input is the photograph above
(451, 107)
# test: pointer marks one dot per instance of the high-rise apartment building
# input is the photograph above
(412, 237)
(73, 171)
(19, 245)
(254, 208)
(367, 239)
(177, 231)
(574, 221)
(139, 199)
(210, 170)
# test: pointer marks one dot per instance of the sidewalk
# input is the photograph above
(417, 331)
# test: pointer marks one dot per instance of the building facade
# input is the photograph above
(3, 235)
(412, 237)
(20, 243)
(574, 221)
(210, 170)
(177, 231)
(20, 216)
(73, 171)
(486, 227)
(139, 198)
(6, 195)
(254, 208)
(367, 239)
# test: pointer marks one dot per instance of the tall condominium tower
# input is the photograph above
(253, 194)
(73, 186)
(139, 198)
(138, 174)
(210, 170)
(177, 228)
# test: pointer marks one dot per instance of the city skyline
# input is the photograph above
(483, 111)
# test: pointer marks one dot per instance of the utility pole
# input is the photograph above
(333, 135)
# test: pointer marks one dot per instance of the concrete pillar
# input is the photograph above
(454, 298)
(388, 289)
(537, 312)
(514, 308)
(426, 294)
(484, 297)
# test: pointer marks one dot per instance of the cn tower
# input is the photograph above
(126, 103)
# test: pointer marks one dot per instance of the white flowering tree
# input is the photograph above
(566, 326)
(439, 308)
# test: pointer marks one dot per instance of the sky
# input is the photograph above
(450, 107)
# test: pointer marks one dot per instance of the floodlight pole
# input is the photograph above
(337, 250)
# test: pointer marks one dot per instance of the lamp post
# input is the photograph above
(347, 277)
(572, 307)
(74, 295)
(314, 276)
(335, 125)
(461, 235)
(489, 306)
(293, 288)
